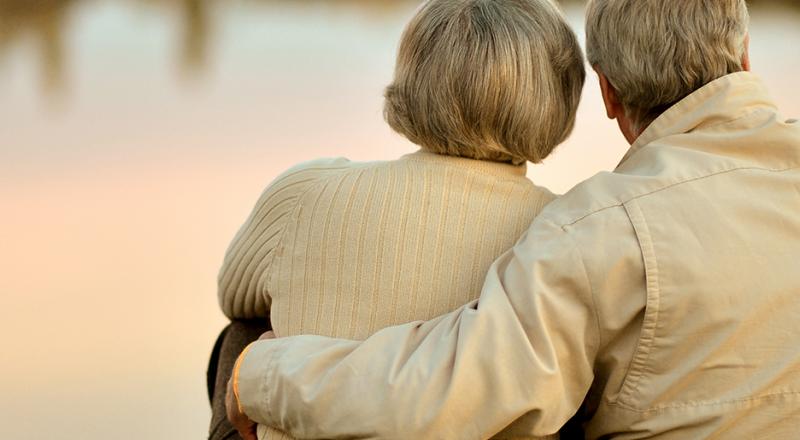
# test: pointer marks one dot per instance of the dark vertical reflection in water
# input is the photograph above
(48, 22)
(196, 35)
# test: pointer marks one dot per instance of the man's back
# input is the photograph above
(711, 194)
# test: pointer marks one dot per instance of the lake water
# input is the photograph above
(135, 135)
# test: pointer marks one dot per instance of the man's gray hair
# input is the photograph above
(656, 52)
(487, 79)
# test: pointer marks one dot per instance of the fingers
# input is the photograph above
(248, 433)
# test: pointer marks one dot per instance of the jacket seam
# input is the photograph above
(592, 296)
(697, 404)
(721, 124)
(694, 179)
(644, 346)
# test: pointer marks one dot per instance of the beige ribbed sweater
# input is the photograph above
(343, 249)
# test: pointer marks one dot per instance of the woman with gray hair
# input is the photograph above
(343, 249)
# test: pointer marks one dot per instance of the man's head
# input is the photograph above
(650, 54)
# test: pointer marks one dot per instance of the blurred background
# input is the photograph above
(135, 136)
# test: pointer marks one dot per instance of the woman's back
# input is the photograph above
(344, 249)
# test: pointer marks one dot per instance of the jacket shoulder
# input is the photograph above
(599, 194)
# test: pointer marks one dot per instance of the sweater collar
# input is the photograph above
(483, 166)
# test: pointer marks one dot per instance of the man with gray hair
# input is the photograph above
(658, 301)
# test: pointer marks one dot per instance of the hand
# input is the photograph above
(239, 420)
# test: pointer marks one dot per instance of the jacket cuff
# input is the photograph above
(253, 375)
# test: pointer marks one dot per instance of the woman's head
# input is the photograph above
(487, 79)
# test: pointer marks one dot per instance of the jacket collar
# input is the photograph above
(719, 101)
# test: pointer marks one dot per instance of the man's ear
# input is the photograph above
(613, 107)
(746, 56)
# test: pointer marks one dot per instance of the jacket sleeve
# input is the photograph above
(525, 348)
(245, 271)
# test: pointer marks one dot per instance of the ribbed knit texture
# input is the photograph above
(343, 249)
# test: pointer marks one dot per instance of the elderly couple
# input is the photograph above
(658, 301)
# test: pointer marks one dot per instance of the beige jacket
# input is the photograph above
(661, 300)
(343, 249)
